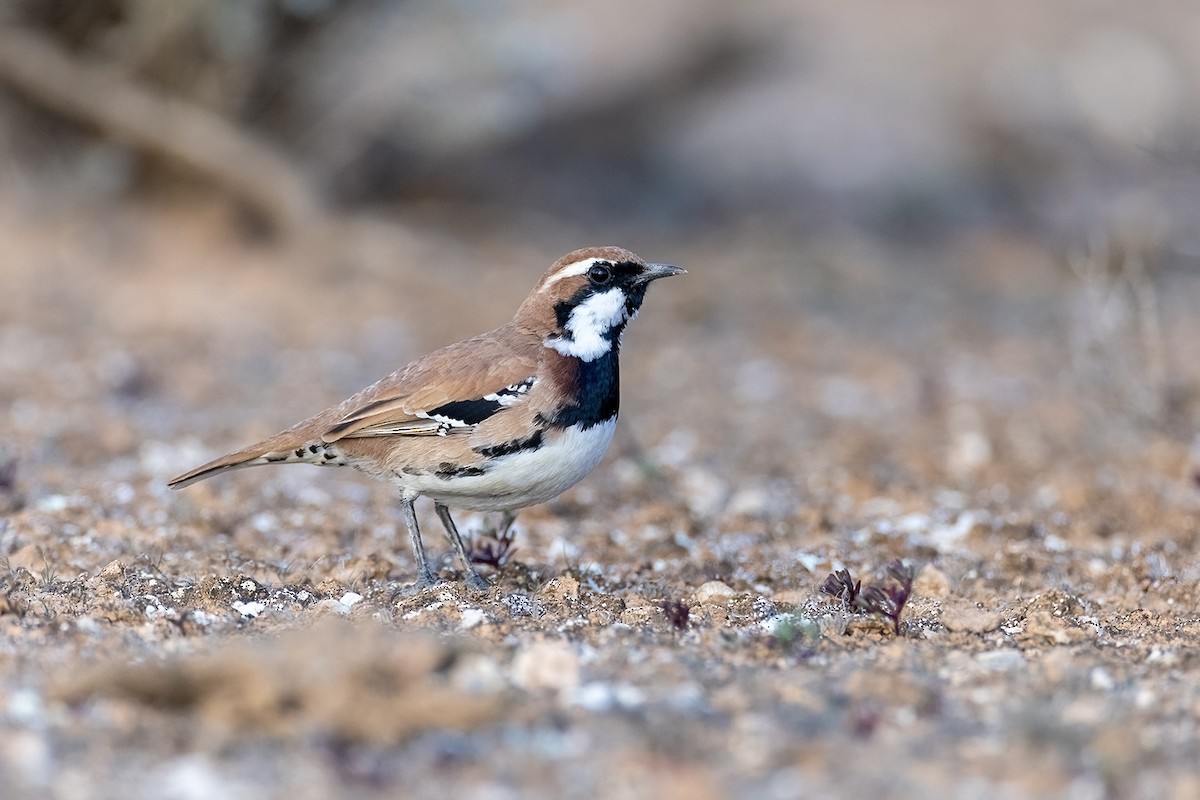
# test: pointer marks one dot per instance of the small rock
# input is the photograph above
(1042, 627)
(249, 610)
(113, 571)
(546, 665)
(713, 592)
(969, 619)
(349, 599)
(471, 618)
(335, 606)
(520, 605)
(638, 612)
(564, 588)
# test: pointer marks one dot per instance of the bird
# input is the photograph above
(501, 421)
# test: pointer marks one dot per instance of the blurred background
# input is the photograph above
(941, 305)
(927, 182)
(914, 124)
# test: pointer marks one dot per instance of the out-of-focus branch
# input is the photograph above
(96, 94)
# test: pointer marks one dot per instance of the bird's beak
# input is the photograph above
(653, 272)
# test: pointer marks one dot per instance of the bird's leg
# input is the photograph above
(474, 579)
(424, 574)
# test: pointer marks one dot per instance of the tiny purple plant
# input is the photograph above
(841, 585)
(677, 613)
(493, 548)
(883, 599)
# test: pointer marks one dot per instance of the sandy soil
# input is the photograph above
(1016, 432)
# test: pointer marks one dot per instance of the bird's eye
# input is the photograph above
(599, 275)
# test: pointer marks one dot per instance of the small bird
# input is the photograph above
(505, 420)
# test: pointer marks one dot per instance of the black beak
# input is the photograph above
(652, 272)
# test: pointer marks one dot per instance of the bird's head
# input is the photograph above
(583, 302)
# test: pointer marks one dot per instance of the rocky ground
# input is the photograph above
(1015, 429)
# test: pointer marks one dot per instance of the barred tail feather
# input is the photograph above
(286, 447)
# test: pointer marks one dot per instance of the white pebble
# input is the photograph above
(249, 610)
(471, 618)
(713, 592)
(338, 607)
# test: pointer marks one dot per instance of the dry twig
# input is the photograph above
(97, 94)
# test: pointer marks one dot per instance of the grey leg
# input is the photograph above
(424, 575)
(474, 579)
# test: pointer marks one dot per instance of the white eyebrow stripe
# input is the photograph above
(577, 268)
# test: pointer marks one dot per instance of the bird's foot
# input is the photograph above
(425, 581)
(475, 581)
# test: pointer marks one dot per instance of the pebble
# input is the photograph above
(113, 571)
(336, 606)
(471, 618)
(563, 588)
(1042, 627)
(249, 610)
(713, 592)
(969, 619)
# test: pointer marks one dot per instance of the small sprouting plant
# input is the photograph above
(48, 575)
(494, 547)
(841, 585)
(677, 613)
(886, 599)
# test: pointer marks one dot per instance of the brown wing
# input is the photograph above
(448, 384)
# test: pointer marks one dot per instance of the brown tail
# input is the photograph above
(276, 450)
(223, 464)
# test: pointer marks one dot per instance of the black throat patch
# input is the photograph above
(594, 388)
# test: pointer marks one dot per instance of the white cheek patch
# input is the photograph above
(589, 323)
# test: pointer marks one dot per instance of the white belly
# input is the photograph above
(524, 478)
